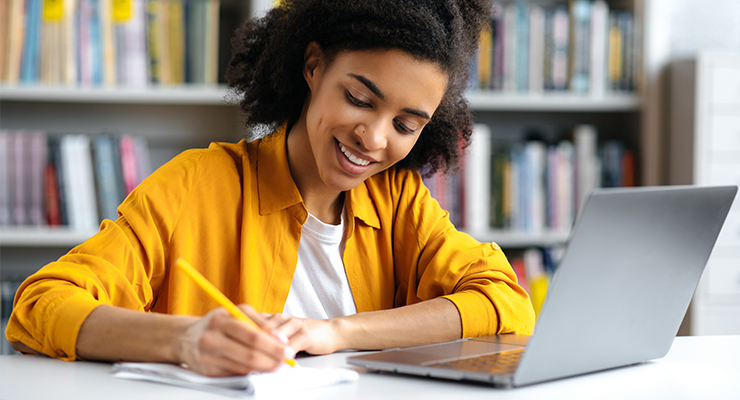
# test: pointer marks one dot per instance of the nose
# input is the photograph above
(371, 136)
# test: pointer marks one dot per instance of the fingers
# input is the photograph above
(226, 346)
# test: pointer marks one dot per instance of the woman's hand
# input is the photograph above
(220, 345)
(310, 335)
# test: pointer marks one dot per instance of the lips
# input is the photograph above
(351, 162)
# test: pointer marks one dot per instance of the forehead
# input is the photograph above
(394, 72)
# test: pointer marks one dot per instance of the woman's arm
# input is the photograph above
(216, 344)
(431, 321)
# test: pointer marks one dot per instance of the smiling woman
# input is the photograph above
(322, 230)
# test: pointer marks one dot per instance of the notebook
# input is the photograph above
(618, 297)
(284, 381)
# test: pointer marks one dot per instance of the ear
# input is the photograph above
(313, 63)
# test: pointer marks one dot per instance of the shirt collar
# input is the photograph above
(277, 190)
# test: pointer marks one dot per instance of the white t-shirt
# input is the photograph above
(319, 288)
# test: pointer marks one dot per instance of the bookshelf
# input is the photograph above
(176, 117)
(705, 150)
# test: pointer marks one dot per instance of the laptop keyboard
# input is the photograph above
(498, 363)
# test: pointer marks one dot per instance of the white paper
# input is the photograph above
(286, 379)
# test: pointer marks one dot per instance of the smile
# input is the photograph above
(352, 158)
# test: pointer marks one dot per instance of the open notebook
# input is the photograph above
(286, 379)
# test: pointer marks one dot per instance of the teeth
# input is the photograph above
(352, 157)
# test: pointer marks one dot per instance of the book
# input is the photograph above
(108, 44)
(110, 187)
(212, 40)
(285, 380)
(129, 164)
(588, 168)
(536, 49)
(478, 179)
(4, 29)
(598, 42)
(5, 178)
(16, 39)
(560, 27)
(580, 21)
(176, 40)
(19, 147)
(78, 182)
(37, 157)
(29, 73)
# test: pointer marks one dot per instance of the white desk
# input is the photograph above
(705, 367)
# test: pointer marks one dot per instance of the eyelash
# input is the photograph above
(399, 126)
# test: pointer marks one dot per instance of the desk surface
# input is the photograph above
(706, 367)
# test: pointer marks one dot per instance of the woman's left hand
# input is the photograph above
(313, 336)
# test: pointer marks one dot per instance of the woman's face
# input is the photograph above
(366, 110)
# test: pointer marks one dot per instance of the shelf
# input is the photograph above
(43, 236)
(556, 102)
(509, 239)
(183, 94)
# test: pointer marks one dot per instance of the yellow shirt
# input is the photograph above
(235, 213)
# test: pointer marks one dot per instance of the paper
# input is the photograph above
(286, 379)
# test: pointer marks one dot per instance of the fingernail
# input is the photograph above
(281, 336)
(289, 353)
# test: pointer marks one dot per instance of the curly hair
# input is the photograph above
(265, 70)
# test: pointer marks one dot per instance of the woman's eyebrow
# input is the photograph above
(374, 88)
(370, 85)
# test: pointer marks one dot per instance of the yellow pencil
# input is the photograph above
(215, 294)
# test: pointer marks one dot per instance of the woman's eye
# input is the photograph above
(354, 100)
(403, 128)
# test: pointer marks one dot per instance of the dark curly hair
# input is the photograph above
(265, 70)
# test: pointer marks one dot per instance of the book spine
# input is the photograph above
(55, 145)
(536, 49)
(88, 204)
(108, 42)
(176, 40)
(19, 148)
(561, 61)
(105, 160)
(128, 163)
(30, 63)
(598, 48)
(37, 163)
(5, 178)
(580, 23)
(212, 28)
(477, 179)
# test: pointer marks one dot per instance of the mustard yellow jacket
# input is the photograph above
(235, 213)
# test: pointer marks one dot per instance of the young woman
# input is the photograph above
(322, 229)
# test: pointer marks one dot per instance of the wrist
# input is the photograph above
(179, 346)
(343, 329)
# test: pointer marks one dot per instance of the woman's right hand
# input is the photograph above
(220, 345)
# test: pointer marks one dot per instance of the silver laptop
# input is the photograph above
(618, 297)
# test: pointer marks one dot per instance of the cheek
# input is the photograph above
(403, 147)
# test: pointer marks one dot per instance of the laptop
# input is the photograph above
(618, 297)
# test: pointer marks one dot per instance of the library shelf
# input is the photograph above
(552, 102)
(513, 239)
(175, 94)
(43, 236)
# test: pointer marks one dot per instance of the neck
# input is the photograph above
(321, 201)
